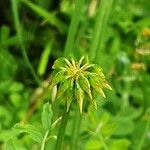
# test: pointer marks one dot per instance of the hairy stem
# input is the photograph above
(14, 4)
(73, 27)
(101, 21)
(62, 130)
(75, 131)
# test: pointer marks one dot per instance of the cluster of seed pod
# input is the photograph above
(77, 81)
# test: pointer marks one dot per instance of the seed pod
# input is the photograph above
(57, 78)
(63, 88)
(92, 101)
(85, 85)
(107, 86)
(77, 80)
(60, 62)
(79, 94)
(98, 70)
(69, 98)
(95, 83)
(54, 92)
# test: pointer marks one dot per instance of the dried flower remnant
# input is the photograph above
(77, 81)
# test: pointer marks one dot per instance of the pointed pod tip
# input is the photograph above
(102, 93)
(95, 106)
(80, 106)
(108, 86)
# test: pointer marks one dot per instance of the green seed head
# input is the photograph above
(77, 81)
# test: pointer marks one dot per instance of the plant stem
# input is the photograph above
(103, 34)
(103, 142)
(44, 140)
(101, 20)
(73, 27)
(14, 4)
(75, 131)
(141, 142)
(62, 130)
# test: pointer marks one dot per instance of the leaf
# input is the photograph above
(47, 116)
(13, 144)
(124, 126)
(9, 145)
(33, 132)
(60, 62)
(49, 17)
(93, 144)
(44, 58)
(121, 144)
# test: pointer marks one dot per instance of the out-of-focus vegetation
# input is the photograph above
(115, 34)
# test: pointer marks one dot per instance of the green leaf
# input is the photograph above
(49, 17)
(120, 144)
(47, 116)
(93, 144)
(44, 58)
(33, 132)
(9, 145)
(124, 126)
(60, 62)
(13, 144)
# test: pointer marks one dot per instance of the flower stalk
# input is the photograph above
(74, 81)
(75, 131)
(62, 130)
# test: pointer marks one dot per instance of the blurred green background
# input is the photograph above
(114, 33)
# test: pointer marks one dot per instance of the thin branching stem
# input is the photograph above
(62, 130)
(75, 131)
(103, 142)
(44, 140)
(20, 39)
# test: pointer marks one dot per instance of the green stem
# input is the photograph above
(141, 142)
(103, 142)
(102, 36)
(100, 23)
(75, 131)
(62, 130)
(44, 140)
(73, 28)
(14, 4)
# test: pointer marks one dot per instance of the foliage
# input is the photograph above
(113, 34)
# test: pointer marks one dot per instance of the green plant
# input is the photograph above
(40, 137)
(76, 81)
